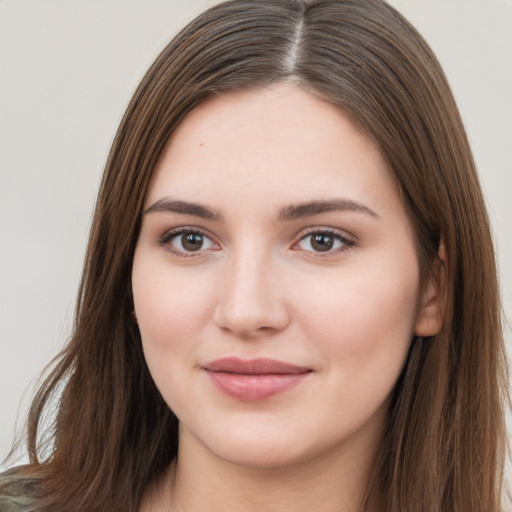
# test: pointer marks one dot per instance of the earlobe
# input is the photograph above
(431, 312)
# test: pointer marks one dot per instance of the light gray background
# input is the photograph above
(68, 69)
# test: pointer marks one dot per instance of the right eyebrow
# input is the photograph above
(183, 207)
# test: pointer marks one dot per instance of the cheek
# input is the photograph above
(171, 307)
(362, 320)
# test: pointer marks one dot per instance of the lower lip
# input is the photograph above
(253, 388)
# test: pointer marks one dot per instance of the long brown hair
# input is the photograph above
(443, 446)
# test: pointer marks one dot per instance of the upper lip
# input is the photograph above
(260, 366)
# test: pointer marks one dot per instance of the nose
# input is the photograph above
(252, 299)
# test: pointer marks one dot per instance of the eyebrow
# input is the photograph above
(183, 207)
(311, 208)
(288, 213)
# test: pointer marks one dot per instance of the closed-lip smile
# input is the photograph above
(253, 380)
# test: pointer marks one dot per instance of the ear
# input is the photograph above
(431, 309)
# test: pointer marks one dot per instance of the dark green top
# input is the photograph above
(15, 492)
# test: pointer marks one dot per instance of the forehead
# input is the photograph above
(280, 143)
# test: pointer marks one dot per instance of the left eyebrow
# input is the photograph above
(311, 208)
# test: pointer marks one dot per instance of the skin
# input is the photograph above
(259, 287)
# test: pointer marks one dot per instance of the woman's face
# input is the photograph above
(275, 280)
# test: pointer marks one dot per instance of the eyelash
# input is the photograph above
(168, 237)
(346, 243)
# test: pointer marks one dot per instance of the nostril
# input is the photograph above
(246, 322)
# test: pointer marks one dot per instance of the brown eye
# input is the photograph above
(185, 242)
(191, 241)
(322, 242)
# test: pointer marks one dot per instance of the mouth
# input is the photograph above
(256, 379)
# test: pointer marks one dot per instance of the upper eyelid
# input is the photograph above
(169, 234)
(324, 229)
(165, 241)
(348, 241)
(188, 229)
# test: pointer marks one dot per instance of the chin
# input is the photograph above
(261, 456)
(249, 448)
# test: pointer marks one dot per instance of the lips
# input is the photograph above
(256, 379)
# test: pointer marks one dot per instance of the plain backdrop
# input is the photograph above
(67, 71)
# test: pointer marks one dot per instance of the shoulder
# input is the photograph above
(16, 492)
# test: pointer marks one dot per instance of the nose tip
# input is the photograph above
(252, 302)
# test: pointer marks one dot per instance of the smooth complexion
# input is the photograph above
(274, 237)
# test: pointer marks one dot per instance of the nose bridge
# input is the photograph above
(252, 300)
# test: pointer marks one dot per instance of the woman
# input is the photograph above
(289, 298)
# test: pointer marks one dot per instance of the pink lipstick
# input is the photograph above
(255, 379)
